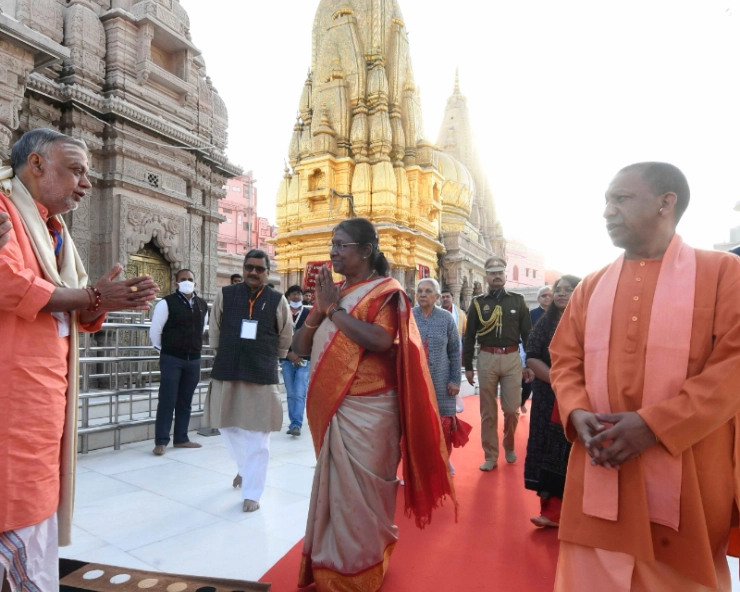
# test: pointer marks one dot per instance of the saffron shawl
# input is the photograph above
(333, 368)
(667, 358)
(70, 274)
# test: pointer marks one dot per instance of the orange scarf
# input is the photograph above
(426, 476)
(667, 360)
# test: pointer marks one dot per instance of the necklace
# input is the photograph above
(344, 284)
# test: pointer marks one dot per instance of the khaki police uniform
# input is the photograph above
(498, 321)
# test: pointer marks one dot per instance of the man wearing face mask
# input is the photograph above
(178, 323)
(296, 368)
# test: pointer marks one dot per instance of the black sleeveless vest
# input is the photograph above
(182, 335)
(251, 360)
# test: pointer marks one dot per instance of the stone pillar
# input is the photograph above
(16, 66)
(456, 290)
(466, 297)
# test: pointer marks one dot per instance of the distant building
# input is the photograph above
(734, 240)
(525, 267)
(242, 230)
(552, 276)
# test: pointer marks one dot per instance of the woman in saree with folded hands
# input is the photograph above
(370, 399)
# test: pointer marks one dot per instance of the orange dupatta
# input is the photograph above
(425, 472)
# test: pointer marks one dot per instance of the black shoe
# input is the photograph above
(294, 431)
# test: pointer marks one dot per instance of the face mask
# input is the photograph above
(186, 287)
(295, 304)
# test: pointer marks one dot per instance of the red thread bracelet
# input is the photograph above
(89, 298)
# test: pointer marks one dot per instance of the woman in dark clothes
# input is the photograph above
(547, 448)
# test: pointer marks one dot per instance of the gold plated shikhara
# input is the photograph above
(358, 147)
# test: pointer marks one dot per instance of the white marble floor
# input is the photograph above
(178, 513)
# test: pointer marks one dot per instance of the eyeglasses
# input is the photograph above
(545, 296)
(258, 268)
(340, 246)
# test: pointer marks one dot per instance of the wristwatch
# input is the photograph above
(334, 309)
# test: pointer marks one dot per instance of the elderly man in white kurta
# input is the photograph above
(251, 329)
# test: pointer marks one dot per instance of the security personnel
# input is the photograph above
(499, 321)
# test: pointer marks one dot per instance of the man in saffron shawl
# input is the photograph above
(369, 398)
(645, 368)
(44, 302)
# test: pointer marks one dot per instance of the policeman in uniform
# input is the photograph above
(499, 321)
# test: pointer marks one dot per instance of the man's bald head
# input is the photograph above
(664, 178)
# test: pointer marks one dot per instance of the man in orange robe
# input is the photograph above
(44, 302)
(650, 492)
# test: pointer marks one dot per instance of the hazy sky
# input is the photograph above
(561, 94)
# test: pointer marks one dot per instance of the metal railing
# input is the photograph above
(119, 375)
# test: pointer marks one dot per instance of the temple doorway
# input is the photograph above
(149, 261)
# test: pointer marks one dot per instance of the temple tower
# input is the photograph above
(471, 230)
(359, 132)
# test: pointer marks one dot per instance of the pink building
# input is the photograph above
(243, 229)
(524, 266)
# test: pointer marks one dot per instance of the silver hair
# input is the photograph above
(542, 290)
(39, 141)
(435, 285)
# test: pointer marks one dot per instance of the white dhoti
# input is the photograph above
(251, 453)
(30, 557)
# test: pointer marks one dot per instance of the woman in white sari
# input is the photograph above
(365, 356)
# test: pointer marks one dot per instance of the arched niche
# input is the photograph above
(149, 261)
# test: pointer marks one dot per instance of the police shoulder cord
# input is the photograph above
(493, 324)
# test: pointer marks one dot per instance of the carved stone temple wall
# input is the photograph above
(125, 77)
(359, 133)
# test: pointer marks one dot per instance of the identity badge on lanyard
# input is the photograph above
(249, 327)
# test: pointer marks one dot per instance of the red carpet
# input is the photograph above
(493, 546)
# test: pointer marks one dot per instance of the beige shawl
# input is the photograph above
(71, 275)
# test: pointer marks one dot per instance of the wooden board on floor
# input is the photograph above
(76, 576)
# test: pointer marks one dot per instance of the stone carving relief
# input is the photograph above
(85, 36)
(81, 239)
(142, 222)
(15, 67)
(44, 16)
(196, 225)
(175, 184)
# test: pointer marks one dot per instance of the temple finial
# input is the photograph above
(457, 81)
